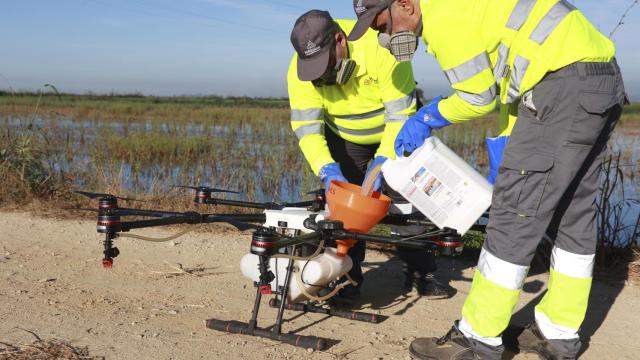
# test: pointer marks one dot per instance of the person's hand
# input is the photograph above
(330, 172)
(378, 160)
(418, 127)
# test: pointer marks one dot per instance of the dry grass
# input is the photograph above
(45, 349)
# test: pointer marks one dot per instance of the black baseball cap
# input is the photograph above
(366, 10)
(312, 36)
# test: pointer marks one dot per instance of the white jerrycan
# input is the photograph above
(315, 273)
(440, 184)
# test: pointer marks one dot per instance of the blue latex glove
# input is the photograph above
(419, 127)
(377, 184)
(495, 148)
(329, 172)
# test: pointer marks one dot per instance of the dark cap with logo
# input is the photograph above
(366, 10)
(312, 36)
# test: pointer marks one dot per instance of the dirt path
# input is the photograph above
(51, 283)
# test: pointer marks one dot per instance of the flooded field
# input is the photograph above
(246, 149)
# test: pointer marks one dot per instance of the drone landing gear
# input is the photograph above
(331, 311)
(263, 245)
(273, 333)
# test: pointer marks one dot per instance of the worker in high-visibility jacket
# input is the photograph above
(554, 72)
(348, 102)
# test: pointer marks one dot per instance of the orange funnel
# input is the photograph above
(357, 212)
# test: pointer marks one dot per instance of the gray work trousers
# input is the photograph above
(548, 177)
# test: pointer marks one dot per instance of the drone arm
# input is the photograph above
(413, 219)
(150, 213)
(260, 217)
(247, 204)
(183, 218)
(418, 244)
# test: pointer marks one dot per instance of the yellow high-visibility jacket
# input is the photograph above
(504, 48)
(369, 109)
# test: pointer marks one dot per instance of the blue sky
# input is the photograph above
(223, 47)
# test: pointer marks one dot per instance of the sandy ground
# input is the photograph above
(51, 283)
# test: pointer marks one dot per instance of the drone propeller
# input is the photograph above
(92, 195)
(206, 188)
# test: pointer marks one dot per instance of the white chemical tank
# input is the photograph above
(315, 273)
(440, 184)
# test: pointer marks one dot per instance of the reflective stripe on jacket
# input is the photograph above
(503, 48)
(369, 109)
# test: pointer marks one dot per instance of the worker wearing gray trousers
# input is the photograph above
(559, 87)
(547, 184)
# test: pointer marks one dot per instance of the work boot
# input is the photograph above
(453, 346)
(426, 285)
(532, 340)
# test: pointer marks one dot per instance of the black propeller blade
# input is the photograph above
(206, 188)
(92, 195)
(316, 192)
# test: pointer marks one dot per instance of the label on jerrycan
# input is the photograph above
(440, 184)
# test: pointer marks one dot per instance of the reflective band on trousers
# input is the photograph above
(363, 116)
(500, 272)
(550, 21)
(309, 129)
(468, 69)
(520, 14)
(575, 265)
(354, 132)
(520, 66)
(398, 105)
(554, 331)
(482, 99)
(306, 114)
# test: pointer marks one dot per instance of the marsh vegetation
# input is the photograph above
(139, 146)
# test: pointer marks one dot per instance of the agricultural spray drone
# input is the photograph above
(297, 250)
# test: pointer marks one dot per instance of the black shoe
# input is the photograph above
(453, 346)
(426, 285)
(532, 340)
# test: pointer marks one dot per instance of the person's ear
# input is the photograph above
(341, 39)
(405, 6)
